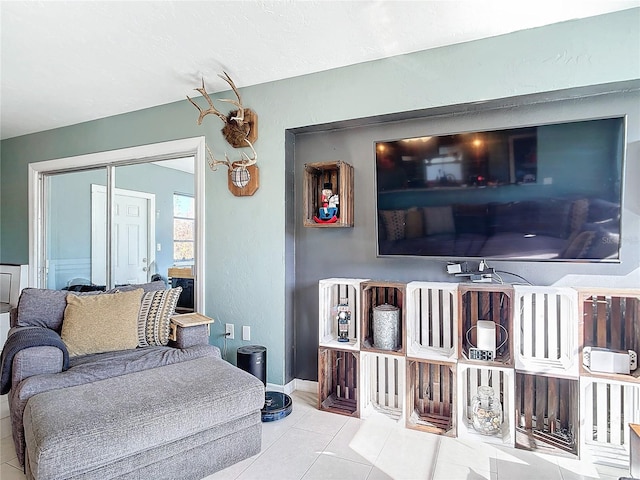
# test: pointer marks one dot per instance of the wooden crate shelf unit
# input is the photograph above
(610, 319)
(547, 412)
(338, 373)
(332, 293)
(383, 386)
(374, 294)
(432, 320)
(486, 303)
(431, 397)
(340, 175)
(545, 330)
(469, 378)
(608, 407)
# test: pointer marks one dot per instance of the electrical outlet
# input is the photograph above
(228, 329)
(246, 332)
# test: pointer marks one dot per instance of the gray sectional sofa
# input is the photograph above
(157, 411)
(548, 228)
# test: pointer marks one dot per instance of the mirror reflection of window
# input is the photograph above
(184, 215)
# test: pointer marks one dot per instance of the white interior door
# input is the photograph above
(133, 235)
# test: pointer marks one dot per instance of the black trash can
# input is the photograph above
(253, 359)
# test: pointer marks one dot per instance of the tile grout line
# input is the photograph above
(324, 449)
(436, 455)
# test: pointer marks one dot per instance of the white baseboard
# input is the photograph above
(306, 385)
(295, 384)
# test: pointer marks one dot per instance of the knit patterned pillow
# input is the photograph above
(155, 314)
(394, 221)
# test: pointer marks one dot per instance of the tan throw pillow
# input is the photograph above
(156, 310)
(439, 220)
(101, 323)
(414, 227)
(394, 223)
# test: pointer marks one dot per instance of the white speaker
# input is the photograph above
(486, 335)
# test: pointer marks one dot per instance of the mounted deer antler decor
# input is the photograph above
(240, 130)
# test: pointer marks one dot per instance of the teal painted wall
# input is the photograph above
(246, 251)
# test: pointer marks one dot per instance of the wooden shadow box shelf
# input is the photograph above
(338, 372)
(469, 379)
(486, 302)
(546, 330)
(383, 386)
(374, 294)
(432, 321)
(431, 397)
(610, 318)
(340, 175)
(608, 407)
(547, 414)
(332, 293)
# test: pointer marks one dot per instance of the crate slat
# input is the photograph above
(330, 293)
(608, 406)
(546, 328)
(501, 379)
(372, 294)
(609, 319)
(384, 377)
(548, 413)
(431, 397)
(338, 381)
(432, 320)
(486, 302)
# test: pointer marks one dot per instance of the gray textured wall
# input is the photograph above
(351, 252)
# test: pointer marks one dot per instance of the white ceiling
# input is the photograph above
(64, 63)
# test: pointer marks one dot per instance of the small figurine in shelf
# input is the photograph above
(344, 320)
(328, 212)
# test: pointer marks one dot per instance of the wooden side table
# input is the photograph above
(187, 320)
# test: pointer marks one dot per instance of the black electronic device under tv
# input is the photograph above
(548, 192)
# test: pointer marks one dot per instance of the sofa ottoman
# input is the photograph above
(185, 421)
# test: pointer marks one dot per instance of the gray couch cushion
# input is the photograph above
(80, 429)
(93, 368)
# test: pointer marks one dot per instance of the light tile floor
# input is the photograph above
(313, 445)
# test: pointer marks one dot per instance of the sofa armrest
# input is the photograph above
(189, 329)
(36, 361)
(184, 337)
(23, 357)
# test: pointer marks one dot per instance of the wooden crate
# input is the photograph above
(610, 318)
(340, 175)
(607, 407)
(547, 414)
(378, 293)
(469, 377)
(331, 292)
(431, 397)
(338, 372)
(432, 320)
(545, 330)
(486, 302)
(383, 385)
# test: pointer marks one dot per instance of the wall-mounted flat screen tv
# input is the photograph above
(548, 192)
